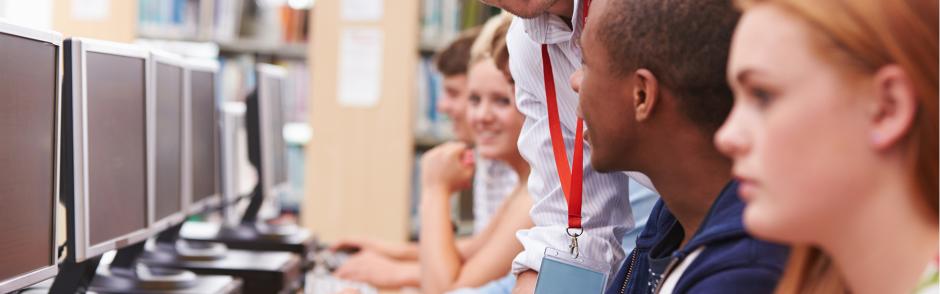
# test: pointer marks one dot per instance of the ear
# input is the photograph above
(645, 94)
(895, 107)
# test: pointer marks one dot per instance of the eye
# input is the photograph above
(474, 99)
(504, 101)
(763, 97)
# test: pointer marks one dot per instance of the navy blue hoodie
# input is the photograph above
(732, 261)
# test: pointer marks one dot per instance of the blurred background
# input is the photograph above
(364, 95)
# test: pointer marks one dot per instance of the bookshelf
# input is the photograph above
(359, 159)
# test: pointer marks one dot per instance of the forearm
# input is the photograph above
(406, 252)
(439, 258)
(525, 282)
(408, 275)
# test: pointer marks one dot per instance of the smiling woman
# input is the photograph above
(847, 90)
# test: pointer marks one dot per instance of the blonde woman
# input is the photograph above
(496, 124)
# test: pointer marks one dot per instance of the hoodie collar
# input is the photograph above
(723, 220)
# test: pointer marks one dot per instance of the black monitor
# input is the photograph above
(29, 125)
(271, 92)
(105, 161)
(203, 172)
(168, 91)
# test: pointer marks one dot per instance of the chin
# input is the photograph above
(760, 223)
(601, 165)
(496, 151)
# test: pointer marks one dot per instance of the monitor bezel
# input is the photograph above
(214, 200)
(45, 272)
(162, 57)
(80, 47)
(233, 119)
(271, 189)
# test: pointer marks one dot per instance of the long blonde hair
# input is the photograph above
(862, 36)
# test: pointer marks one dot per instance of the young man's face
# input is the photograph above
(454, 104)
(531, 8)
(606, 103)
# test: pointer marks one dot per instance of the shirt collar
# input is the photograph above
(551, 29)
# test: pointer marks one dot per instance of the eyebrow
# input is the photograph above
(745, 75)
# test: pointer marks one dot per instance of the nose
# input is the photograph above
(575, 80)
(480, 114)
(732, 139)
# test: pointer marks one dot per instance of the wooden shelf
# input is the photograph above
(285, 50)
(246, 46)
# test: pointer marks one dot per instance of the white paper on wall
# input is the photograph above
(362, 10)
(91, 10)
(32, 13)
(360, 67)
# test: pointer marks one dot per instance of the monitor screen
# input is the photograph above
(278, 149)
(27, 154)
(116, 139)
(169, 140)
(205, 177)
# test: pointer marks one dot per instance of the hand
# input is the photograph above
(447, 168)
(372, 268)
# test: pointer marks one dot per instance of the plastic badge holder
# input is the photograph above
(562, 273)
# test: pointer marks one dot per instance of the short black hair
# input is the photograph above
(455, 58)
(685, 44)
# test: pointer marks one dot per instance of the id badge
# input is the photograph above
(562, 273)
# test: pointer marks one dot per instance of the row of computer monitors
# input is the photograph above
(127, 138)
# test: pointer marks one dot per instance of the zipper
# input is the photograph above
(626, 278)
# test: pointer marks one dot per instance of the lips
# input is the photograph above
(484, 137)
(746, 187)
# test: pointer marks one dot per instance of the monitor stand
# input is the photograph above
(74, 277)
(168, 246)
(125, 272)
(260, 271)
(252, 234)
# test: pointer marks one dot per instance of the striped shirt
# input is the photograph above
(493, 180)
(606, 209)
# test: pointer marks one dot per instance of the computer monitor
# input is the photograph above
(29, 125)
(167, 81)
(203, 167)
(105, 166)
(232, 136)
(271, 92)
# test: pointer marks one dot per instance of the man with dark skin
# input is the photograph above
(652, 94)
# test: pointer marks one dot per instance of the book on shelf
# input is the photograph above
(431, 126)
(224, 20)
(443, 20)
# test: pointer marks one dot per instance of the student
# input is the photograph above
(394, 265)
(496, 124)
(611, 201)
(834, 137)
(652, 95)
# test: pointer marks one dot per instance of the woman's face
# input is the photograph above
(799, 132)
(493, 116)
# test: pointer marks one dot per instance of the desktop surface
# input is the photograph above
(260, 272)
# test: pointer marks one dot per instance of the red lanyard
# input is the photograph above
(570, 178)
